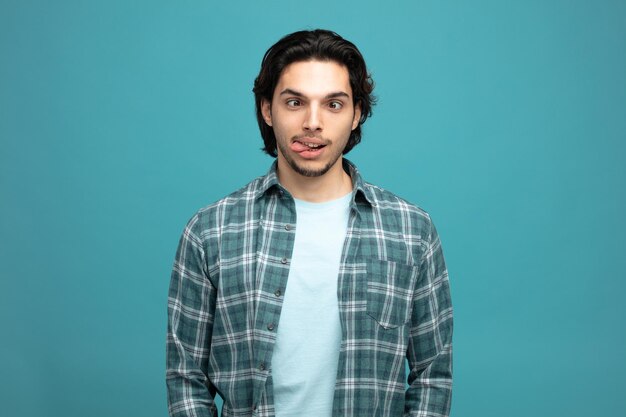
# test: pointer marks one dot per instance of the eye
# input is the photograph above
(335, 105)
(292, 102)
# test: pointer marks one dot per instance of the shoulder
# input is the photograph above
(386, 200)
(389, 204)
(242, 196)
(234, 204)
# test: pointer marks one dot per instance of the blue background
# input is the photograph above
(505, 120)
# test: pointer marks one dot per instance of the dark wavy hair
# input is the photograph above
(322, 45)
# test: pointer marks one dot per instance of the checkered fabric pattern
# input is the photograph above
(227, 287)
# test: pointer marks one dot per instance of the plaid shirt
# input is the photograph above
(228, 284)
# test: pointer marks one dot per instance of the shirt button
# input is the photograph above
(278, 293)
(270, 327)
(288, 227)
(262, 367)
(284, 261)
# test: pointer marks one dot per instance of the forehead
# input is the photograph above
(315, 78)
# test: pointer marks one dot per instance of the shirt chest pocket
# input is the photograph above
(390, 292)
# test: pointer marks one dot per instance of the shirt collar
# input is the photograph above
(359, 186)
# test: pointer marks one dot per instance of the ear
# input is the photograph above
(266, 111)
(357, 116)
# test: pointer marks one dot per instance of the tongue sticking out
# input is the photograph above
(301, 147)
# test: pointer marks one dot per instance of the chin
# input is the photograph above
(315, 170)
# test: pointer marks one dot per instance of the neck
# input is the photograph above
(332, 185)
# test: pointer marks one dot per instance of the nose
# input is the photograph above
(313, 120)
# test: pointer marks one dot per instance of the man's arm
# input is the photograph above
(430, 344)
(191, 306)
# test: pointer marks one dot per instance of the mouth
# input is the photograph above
(313, 145)
(308, 148)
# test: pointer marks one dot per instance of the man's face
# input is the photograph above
(312, 114)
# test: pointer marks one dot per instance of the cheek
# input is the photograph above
(289, 123)
(284, 121)
(282, 130)
(279, 124)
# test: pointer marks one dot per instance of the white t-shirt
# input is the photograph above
(304, 362)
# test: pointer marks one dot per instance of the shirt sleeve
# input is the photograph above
(191, 307)
(430, 344)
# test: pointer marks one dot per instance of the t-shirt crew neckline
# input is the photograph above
(325, 205)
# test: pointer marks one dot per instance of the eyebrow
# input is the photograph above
(336, 94)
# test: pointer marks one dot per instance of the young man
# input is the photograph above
(304, 293)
